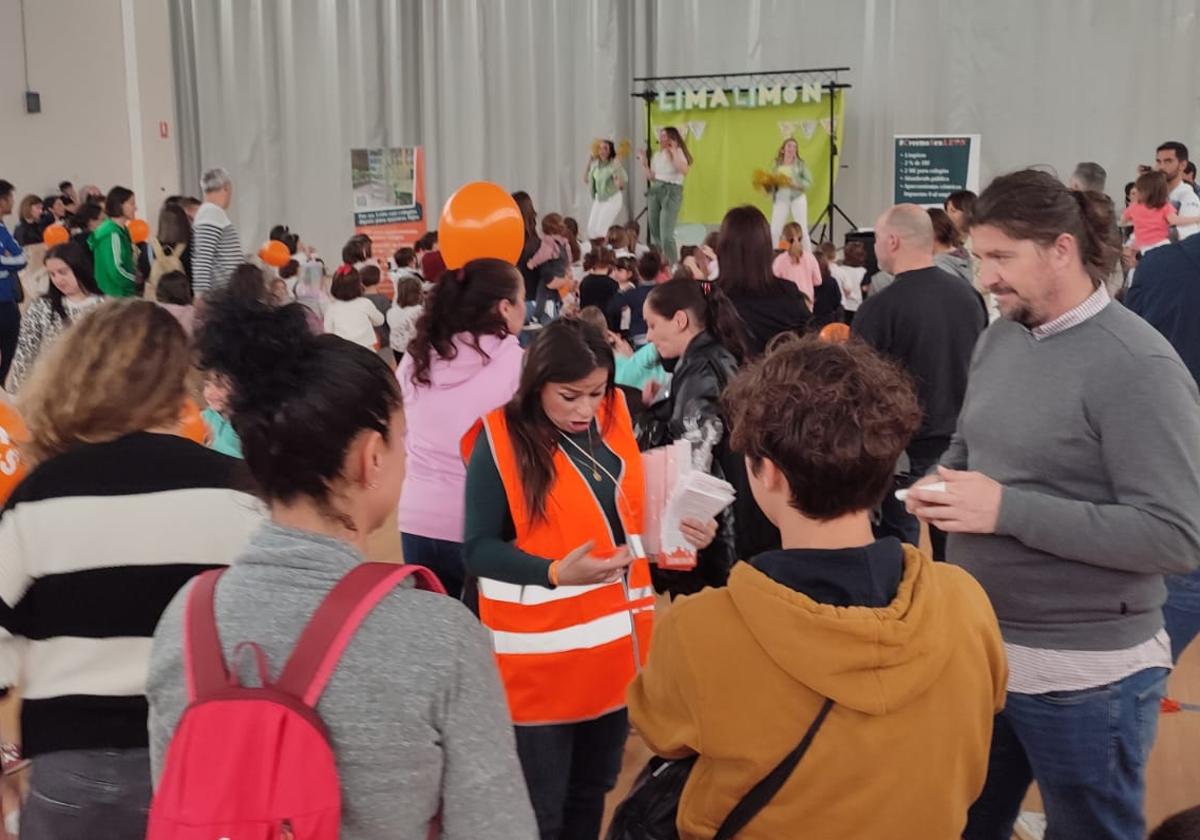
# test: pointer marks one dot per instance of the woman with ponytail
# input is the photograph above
(414, 695)
(699, 336)
(464, 361)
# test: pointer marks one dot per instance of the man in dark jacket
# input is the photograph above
(1166, 293)
(929, 321)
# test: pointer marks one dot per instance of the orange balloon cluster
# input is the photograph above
(274, 254)
(12, 432)
(139, 231)
(480, 220)
(55, 234)
(835, 333)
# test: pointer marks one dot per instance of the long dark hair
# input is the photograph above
(565, 351)
(528, 214)
(745, 253)
(706, 305)
(673, 132)
(463, 301)
(298, 400)
(80, 262)
(1035, 205)
(174, 226)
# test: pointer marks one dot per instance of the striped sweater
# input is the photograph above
(216, 249)
(94, 544)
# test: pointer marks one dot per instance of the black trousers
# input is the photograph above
(10, 328)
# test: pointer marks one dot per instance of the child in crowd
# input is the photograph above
(404, 261)
(1153, 214)
(174, 294)
(625, 273)
(552, 260)
(618, 241)
(402, 317)
(798, 264)
(371, 277)
(849, 275)
(221, 436)
(634, 368)
(633, 233)
(352, 316)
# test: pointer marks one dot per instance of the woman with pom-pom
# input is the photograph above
(606, 179)
(791, 191)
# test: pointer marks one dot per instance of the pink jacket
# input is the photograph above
(806, 274)
(462, 390)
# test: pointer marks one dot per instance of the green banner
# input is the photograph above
(732, 133)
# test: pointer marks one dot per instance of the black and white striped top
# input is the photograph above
(216, 249)
(94, 544)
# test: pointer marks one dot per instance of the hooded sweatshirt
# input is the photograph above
(738, 674)
(437, 415)
(112, 255)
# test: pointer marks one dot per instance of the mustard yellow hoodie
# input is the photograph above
(738, 674)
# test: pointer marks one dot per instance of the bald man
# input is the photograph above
(928, 320)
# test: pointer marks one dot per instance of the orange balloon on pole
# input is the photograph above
(480, 220)
(139, 231)
(191, 424)
(55, 234)
(835, 333)
(12, 432)
(275, 254)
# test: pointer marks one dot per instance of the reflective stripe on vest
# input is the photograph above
(569, 653)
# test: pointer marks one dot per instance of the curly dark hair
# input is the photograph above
(833, 418)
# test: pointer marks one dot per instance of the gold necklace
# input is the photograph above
(595, 464)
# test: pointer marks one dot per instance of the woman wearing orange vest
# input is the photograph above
(554, 513)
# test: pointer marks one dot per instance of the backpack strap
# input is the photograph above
(204, 663)
(337, 618)
(762, 793)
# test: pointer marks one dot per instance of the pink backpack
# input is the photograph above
(256, 763)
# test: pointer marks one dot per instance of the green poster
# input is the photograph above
(732, 133)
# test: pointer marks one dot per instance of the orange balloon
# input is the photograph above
(480, 220)
(191, 424)
(835, 333)
(275, 254)
(55, 234)
(12, 432)
(139, 231)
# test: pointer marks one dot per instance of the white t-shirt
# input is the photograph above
(849, 278)
(1186, 203)
(664, 168)
(354, 320)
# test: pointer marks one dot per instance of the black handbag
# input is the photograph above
(650, 810)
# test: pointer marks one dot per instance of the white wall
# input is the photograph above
(77, 61)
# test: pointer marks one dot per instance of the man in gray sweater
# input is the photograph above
(1072, 485)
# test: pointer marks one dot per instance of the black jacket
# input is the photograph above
(763, 318)
(692, 411)
(1166, 292)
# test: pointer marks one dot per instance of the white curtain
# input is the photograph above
(514, 91)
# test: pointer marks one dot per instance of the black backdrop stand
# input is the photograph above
(826, 219)
(653, 86)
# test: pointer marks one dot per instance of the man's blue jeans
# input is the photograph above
(1181, 612)
(1086, 750)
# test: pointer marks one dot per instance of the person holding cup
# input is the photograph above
(555, 506)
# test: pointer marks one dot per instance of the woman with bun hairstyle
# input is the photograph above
(413, 709)
(555, 506)
(464, 361)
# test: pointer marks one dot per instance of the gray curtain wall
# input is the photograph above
(513, 91)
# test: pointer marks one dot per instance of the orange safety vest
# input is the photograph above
(569, 653)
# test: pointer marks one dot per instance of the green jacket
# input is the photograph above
(112, 255)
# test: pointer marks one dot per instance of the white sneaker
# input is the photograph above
(1031, 825)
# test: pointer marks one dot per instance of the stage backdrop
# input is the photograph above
(731, 133)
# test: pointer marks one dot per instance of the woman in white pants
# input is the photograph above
(607, 178)
(793, 198)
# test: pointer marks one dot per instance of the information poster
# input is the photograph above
(389, 195)
(931, 166)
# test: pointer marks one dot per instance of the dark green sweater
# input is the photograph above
(488, 535)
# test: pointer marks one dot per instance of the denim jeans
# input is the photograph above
(896, 521)
(88, 795)
(442, 557)
(1086, 750)
(1181, 612)
(662, 206)
(569, 769)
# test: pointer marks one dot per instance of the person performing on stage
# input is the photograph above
(606, 178)
(792, 198)
(665, 172)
